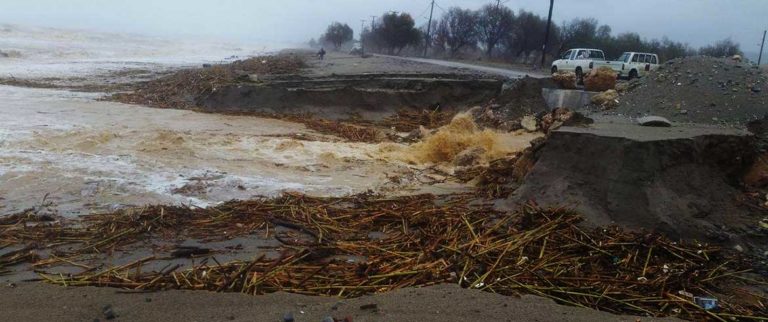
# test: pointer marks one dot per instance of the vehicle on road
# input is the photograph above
(631, 64)
(578, 60)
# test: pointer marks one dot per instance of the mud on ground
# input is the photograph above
(431, 304)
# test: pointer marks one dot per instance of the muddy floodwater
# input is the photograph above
(86, 154)
(76, 153)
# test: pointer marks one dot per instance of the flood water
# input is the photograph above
(83, 154)
(80, 154)
(90, 154)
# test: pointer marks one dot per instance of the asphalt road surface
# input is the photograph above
(485, 69)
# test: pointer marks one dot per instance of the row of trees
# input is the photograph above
(496, 31)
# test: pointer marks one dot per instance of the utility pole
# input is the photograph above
(373, 23)
(546, 35)
(362, 42)
(762, 44)
(429, 29)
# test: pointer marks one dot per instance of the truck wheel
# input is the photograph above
(554, 69)
(632, 74)
(579, 75)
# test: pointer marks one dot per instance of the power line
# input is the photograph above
(424, 12)
(441, 8)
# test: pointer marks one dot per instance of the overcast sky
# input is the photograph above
(697, 22)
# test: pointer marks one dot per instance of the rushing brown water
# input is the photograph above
(81, 154)
(86, 154)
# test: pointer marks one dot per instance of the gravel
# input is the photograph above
(700, 90)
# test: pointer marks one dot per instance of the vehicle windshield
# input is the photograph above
(624, 57)
(566, 55)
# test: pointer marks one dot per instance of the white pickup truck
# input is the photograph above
(577, 60)
(631, 64)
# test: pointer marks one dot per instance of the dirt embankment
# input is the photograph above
(680, 182)
(522, 97)
(372, 97)
(182, 89)
(699, 90)
(336, 88)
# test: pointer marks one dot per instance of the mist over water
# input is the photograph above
(39, 52)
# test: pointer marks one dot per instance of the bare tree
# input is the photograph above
(458, 27)
(494, 21)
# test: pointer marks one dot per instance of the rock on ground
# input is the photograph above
(529, 123)
(655, 121)
(607, 99)
(469, 157)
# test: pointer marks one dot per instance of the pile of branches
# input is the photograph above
(500, 177)
(352, 130)
(407, 120)
(327, 250)
(349, 132)
(183, 88)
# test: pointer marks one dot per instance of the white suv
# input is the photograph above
(578, 61)
(631, 64)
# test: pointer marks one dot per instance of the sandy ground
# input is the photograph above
(437, 303)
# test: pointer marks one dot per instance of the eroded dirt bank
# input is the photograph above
(683, 182)
(339, 87)
(372, 96)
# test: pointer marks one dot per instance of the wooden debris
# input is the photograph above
(407, 120)
(179, 89)
(428, 240)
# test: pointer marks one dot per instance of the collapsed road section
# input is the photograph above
(372, 95)
(660, 213)
(293, 84)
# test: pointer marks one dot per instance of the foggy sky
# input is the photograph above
(696, 22)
